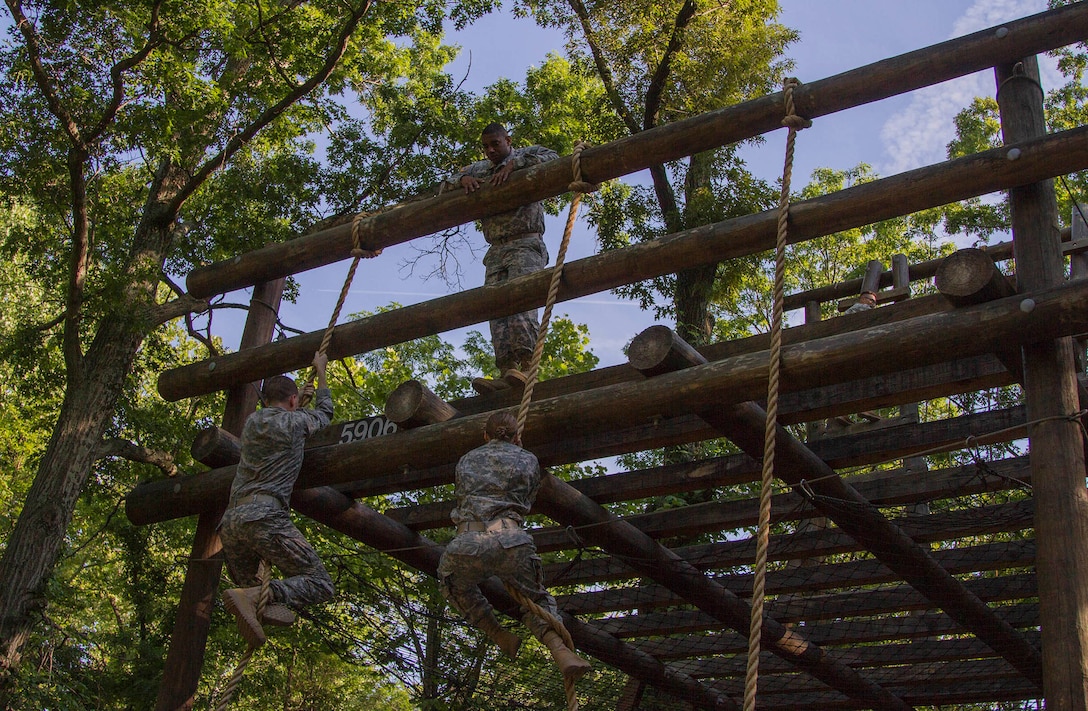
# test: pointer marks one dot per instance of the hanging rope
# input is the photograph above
(264, 574)
(794, 123)
(556, 624)
(577, 186)
(357, 252)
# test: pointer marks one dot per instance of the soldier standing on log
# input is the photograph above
(257, 526)
(496, 486)
(516, 247)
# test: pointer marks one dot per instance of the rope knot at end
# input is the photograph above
(796, 122)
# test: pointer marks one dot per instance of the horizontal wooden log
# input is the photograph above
(885, 489)
(890, 77)
(926, 695)
(926, 625)
(969, 276)
(919, 651)
(930, 528)
(807, 609)
(914, 628)
(566, 505)
(908, 386)
(746, 425)
(920, 341)
(413, 404)
(1056, 154)
(215, 447)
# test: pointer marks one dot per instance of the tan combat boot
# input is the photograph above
(506, 640)
(242, 603)
(516, 379)
(572, 666)
(278, 615)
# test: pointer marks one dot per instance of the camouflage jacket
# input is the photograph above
(497, 480)
(272, 445)
(527, 218)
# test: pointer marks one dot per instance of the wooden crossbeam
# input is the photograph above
(924, 340)
(1042, 158)
(1001, 518)
(880, 80)
(658, 350)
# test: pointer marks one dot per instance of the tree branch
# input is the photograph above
(217, 161)
(41, 77)
(117, 71)
(603, 68)
(116, 447)
(177, 308)
(661, 74)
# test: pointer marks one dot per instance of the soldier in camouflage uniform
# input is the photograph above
(496, 486)
(257, 525)
(516, 248)
(866, 301)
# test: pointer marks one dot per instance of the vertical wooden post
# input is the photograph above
(185, 659)
(1078, 269)
(1057, 455)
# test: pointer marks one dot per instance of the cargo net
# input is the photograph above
(968, 505)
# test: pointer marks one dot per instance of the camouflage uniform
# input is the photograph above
(257, 525)
(499, 480)
(858, 308)
(516, 248)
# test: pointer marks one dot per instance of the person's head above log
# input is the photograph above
(867, 297)
(502, 426)
(496, 142)
(280, 391)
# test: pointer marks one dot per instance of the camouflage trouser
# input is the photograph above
(255, 531)
(473, 557)
(514, 337)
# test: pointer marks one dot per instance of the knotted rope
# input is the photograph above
(577, 186)
(264, 574)
(357, 252)
(794, 123)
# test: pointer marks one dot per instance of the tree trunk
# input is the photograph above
(39, 534)
(95, 382)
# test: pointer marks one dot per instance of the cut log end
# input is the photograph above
(659, 350)
(969, 276)
(413, 404)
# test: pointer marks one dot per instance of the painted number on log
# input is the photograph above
(366, 428)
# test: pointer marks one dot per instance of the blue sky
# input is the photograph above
(836, 35)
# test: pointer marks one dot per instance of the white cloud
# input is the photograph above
(920, 134)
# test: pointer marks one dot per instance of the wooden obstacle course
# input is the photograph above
(679, 632)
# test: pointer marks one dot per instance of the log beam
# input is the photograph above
(987, 172)
(969, 276)
(746, 424)
(880, 80)
(920, 341)
(568, 506)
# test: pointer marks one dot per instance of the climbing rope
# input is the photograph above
(556, 624)
(577, 186)
(357, 252)
(794, 123)
(264, 575)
